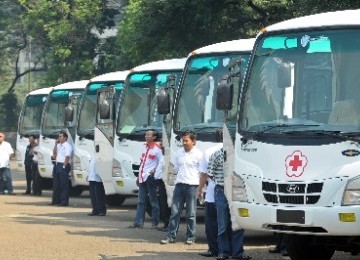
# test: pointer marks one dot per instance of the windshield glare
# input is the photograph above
(88, 108)
(31, 117)
(138, 106)
(305, 78)
(54, 117)
(196, 102)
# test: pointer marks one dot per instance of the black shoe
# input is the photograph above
(135, 226)
(284, 252)
(27, 193)
(102, 214)
(208, 253)
(163, 229)
(222, 257)
(92, 214)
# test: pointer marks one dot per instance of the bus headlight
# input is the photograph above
(238, 188)
(171, 175)
(117, 170)
(76, 163)
(352, 192)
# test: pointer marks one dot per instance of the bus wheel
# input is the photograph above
(115, 200)
(301, 247)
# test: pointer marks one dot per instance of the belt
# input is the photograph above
(59, 163)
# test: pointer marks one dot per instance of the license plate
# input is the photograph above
(290, 216)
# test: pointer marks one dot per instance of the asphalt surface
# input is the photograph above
(31, 229)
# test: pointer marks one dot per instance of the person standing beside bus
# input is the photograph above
(6, 152)
(186, 165)
(29, 154)
(62, 168)
(150, 158)
(230, 242)
(97, 192)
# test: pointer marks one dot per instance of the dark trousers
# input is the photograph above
(211, 227)
(97, 196)
(5, 180)
(165, 210)
(28, 171)
(61, 185)
(36, 179)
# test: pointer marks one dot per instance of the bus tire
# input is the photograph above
(115, 200)
(300, 247)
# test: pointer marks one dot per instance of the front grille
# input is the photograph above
(292, 193)
(135, 168)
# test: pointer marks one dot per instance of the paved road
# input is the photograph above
(31, 229)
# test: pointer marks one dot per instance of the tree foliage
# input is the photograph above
(68, 37)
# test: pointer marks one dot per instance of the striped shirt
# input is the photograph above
(216, 167)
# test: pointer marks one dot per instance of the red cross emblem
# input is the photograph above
(295, 164)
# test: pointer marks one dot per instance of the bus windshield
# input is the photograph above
(88, 107)
(54, 117)
(196, 97)
(303, 81)
(138, 106)
(31, 114)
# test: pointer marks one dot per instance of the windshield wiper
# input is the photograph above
(86, 133)
(346, 136)
(269, 129)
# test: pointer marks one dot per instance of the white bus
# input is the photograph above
(137, 112)
(53, 120)
(194, 106)
(29, 122)
(84, 140)
(296, 160)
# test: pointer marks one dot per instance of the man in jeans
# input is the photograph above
(228, 245)
(5, 154)
(186, 165)
(150, 158)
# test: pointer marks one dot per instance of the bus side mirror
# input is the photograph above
(163, 102)
(69, 113)
(224, 94)
(104, 110)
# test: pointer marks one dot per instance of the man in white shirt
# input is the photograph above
(96, 189)
(187, 180)
(6, 152)
(62, 168)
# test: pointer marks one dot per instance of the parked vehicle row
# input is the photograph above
(287, 102)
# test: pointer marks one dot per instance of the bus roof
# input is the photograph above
(111, 76)
(80, 84)
(228, 46)
(338, 18)
(170, 64)
(41, 91)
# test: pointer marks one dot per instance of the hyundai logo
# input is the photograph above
(292, 188)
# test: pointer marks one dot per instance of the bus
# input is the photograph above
(194, 107)
(84, 140)
(56, 117)
(137, 112)
(296, 167)
(29, 122)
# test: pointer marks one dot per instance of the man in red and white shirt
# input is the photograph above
(150, 158)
